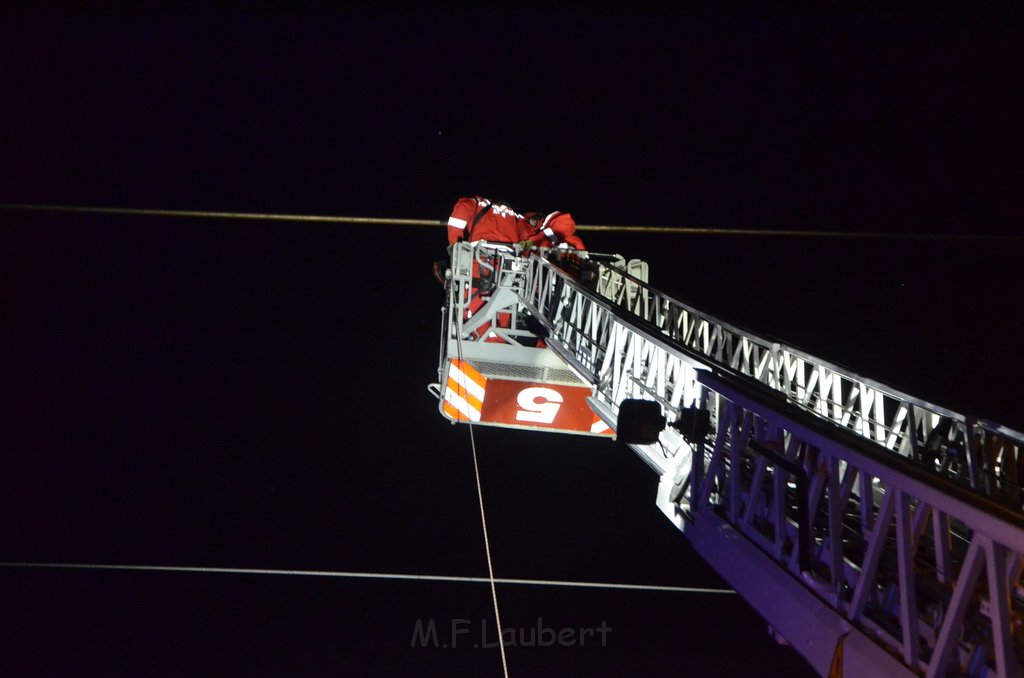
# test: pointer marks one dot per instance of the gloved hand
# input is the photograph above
(525, 245)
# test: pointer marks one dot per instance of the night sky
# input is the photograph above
(252, 395)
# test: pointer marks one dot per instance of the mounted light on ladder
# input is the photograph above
(641, 421)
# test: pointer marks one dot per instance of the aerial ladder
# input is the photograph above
(875, 532)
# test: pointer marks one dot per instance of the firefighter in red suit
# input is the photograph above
(555, 229)
(478, 218)
(482, 219)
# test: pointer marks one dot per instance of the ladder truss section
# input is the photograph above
(915, 563)
(982, 455)
(605, 345)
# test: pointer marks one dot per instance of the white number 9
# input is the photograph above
(538, 404)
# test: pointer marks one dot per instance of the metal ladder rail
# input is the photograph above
(981, 454)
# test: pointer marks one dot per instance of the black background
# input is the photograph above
(242, 394)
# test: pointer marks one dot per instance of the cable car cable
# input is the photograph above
(387, 576)
(431, 223)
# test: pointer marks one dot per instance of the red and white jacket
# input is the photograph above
(555, 229)
(481, 219)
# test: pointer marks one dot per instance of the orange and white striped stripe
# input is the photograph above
(600, 427)
(464, 392)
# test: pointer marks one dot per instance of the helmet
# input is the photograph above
(533, 218)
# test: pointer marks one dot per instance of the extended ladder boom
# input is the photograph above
(848, 513)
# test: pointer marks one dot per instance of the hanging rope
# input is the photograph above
(432, 223)
(480, 496)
